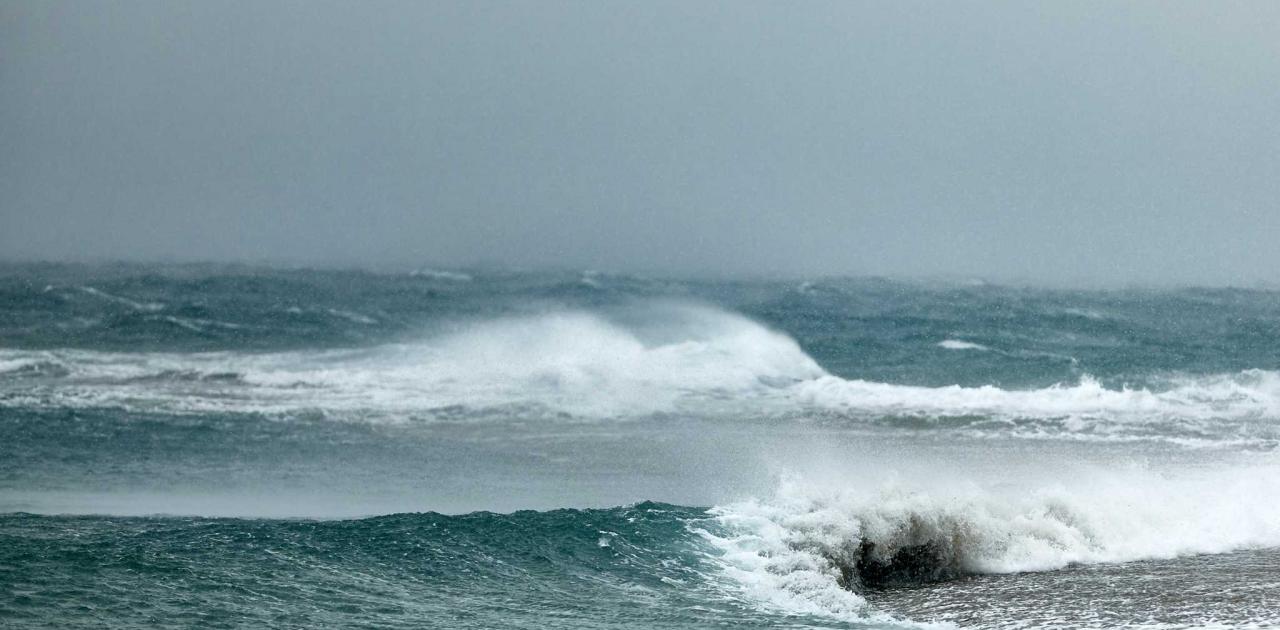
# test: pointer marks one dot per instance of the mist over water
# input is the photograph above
(1089, 143)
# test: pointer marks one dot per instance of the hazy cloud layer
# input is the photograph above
(1053, 141)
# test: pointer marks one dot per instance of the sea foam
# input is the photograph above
(810, 549)
(958, 344)
(653, 359)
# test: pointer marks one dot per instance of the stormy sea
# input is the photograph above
(233, 446)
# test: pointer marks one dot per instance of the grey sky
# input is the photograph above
(1054, 141)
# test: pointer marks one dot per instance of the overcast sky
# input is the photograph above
(1067, 141)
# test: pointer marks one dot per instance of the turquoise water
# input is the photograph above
(226, 446)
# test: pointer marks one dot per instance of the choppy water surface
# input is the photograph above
(222, 446)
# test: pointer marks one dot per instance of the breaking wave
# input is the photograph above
(656, 359)
(579, 363)
(807, 551)
(1252, 393)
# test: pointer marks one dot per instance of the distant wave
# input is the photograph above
(568, 362)
(1248, 394)
(658, 358)
(439, 274)
(133, 304)
(956, 344)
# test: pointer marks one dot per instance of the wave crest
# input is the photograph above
(659, 360)
(645, 360)
(809, 550)
(1191, 410)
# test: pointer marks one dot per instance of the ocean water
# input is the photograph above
(227, 446)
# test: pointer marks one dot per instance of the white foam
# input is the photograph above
(957, 344)
(134, 304)
(571, 362)
(438, 274)
(655, 359)
(352, 316)
(196, 324)
(787, 551)
(18, 363)
(1252, 394)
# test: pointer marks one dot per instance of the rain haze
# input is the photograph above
(1070, 142)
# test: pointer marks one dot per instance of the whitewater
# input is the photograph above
(471, 448)
(694, 359)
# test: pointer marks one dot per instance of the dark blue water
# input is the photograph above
(224, 446)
